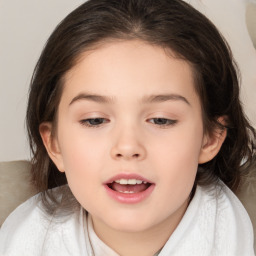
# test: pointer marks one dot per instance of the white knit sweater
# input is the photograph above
(215, 224)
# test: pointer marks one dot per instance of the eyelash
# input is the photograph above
(167, 122)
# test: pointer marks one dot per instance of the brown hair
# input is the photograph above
(171, 24)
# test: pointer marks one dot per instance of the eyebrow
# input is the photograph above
(92, 97)
(164, 98)
(147, 99)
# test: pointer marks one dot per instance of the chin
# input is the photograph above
(128, 223)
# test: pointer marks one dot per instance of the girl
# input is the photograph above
(137, 136)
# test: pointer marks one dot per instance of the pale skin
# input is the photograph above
(159, 137)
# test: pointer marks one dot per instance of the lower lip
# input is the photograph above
(129, 198)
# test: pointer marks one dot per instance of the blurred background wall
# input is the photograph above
(25, 26)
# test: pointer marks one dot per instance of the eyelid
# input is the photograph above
(85, 122)
(171, 122)
(164, 122)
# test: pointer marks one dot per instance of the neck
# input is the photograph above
(144, 243)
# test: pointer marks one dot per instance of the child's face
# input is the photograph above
(146, 124)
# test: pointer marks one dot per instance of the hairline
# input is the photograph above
(90, 48)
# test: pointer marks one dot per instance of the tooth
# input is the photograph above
(131, 182)
(126, 192)
(123, 182)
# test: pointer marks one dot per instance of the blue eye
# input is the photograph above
(162, 121)
(93, 122)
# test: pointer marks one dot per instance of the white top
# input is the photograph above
(215, 224)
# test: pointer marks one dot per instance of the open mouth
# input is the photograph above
(129, 186)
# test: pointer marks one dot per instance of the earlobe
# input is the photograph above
(211, 145)
(51, 144)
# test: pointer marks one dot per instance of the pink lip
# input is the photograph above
(129, 198)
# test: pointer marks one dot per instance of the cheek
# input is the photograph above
(80, 156)
(82, 166)
(177, 168)
(78, 147)
(179, 155)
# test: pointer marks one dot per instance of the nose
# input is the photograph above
(128, 147)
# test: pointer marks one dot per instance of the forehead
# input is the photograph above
(129, 68)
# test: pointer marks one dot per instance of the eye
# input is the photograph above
(162, 121)
(93, 122)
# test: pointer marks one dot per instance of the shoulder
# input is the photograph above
(215, 224)
(29, 230)
(233, 227)
(25, 226)
(226, 202)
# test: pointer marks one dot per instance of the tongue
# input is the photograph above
(134, 188)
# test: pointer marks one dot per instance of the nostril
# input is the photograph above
(127, 156)
(134, 155)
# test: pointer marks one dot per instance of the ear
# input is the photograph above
(51, 144)
(212, 143)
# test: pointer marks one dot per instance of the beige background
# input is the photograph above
(24, 27)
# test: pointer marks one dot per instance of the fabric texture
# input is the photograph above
(215, 223)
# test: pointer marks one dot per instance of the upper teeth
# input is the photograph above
(129, 181)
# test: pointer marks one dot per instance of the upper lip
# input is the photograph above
(127, 176)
